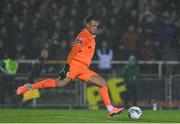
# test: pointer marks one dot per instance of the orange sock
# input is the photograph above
(105, 96)
(48, 83)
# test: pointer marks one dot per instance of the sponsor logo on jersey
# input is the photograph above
(78, 41)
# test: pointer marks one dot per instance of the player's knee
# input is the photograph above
(59, 83)
(103, 84)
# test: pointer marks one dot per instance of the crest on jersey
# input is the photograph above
(78, 41)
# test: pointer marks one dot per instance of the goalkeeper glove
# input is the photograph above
(64, 71)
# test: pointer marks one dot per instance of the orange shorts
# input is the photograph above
(80, 71)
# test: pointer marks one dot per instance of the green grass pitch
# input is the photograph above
(84, 116)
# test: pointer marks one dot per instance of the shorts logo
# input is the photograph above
(78, 41)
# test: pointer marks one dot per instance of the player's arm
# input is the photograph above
(77, 47)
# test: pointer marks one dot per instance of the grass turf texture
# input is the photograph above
(84, 116)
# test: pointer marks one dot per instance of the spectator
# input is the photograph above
(1, 49)
(133, 17)
(64, 49)
(20, 54)
(8, 70)
(130, 40)
(165, 34)
(105, 55)
(157, 50)
(37, 67)
(122, 53)
(146, 51)
(141, 39)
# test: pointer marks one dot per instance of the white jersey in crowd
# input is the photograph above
(105, 59)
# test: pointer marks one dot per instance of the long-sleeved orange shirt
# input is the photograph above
(83, 48)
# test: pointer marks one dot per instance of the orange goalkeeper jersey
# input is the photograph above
(83, 48)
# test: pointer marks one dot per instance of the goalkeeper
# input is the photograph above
(77, 66)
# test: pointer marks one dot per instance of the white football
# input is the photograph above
(134, 112)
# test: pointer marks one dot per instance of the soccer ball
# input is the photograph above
(134, 112)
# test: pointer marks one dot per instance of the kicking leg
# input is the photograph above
(98, 80)
(48, 83)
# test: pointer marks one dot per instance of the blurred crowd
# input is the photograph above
(148, 29)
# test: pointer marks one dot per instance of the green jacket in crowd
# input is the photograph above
(10, 66)
(131, 74)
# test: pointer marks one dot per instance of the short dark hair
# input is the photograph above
(90, 18)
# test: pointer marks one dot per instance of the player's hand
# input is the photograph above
(64, 71)
(66, 67)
